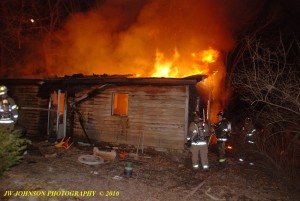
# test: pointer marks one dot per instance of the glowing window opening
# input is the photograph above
(120, 104)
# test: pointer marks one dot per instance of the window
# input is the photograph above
(120, 104)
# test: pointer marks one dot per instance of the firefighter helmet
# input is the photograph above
(220, 114)
(196, 114)
(3, 90)
(197, 117)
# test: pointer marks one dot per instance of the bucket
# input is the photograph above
(106, 154)
(128, 168)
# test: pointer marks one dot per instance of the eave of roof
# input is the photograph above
(119, 80)
(20, 81)
(93, 80)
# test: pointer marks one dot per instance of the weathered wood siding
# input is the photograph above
(160, 113)
(34, 121)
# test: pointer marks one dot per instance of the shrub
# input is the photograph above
(11, 148)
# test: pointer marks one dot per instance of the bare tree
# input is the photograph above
(267, 79)
(27, 29)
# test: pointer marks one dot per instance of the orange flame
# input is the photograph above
(207, 56)
(165, 68)
(198, 64)
(229, 147)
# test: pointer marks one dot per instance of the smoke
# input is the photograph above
(121, 37)
(124, 36)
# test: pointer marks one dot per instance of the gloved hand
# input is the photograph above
(188, 143)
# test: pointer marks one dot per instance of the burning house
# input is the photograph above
(159, 47)
(161, 44)
(112, 109)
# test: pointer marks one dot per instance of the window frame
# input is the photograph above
(113, 109)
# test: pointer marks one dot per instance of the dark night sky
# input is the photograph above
(291, 9)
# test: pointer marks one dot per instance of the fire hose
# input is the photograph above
(210, 138)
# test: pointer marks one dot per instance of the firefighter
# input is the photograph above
(197, 138)
(222, 130)
(248, 141)
(249, 131)
(8, 109)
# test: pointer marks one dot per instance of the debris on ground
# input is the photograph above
(154, 176)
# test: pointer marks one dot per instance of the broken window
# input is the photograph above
(120, 104)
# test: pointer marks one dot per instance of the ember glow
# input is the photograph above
(229, 147)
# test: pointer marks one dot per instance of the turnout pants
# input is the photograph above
(221, 151)
(10, 126)
(201, 150)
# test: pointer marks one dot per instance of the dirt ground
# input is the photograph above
(51, 174)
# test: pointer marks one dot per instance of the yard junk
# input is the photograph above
(117, 177)
(194, 190)
(106, 154)
(90, 159)
(128, 168)
(50, 155)
(122, 154)
(158, 177)
(141, 140)
(207, 192)
(64, 144)
(83, 144)
(94, 172)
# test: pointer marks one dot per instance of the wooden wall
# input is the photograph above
(160, 113)
(33, 120)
